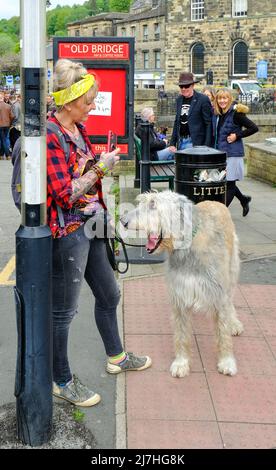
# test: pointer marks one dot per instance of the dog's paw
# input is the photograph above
(236, 328)
(227, 366)
(180, 367)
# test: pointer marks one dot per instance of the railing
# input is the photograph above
(265, 103)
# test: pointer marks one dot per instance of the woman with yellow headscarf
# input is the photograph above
(74, 198)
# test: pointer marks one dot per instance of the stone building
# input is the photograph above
(228, 37)
(146, 22)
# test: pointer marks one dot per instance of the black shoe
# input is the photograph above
(245, 205)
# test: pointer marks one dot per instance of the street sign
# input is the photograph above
(48, 74)
(9, 80)
(262, 69)
(17, 79)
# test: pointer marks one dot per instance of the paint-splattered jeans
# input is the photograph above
(75, 257)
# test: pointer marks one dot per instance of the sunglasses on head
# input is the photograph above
(185, 86)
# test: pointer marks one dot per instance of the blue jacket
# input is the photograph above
(235, 149)
(199, 120)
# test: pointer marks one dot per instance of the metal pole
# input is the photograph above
(137, 163)
(145, 158)
(33, 383)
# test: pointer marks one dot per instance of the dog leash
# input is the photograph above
(110, 248)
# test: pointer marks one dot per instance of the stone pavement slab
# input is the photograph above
(205, 409)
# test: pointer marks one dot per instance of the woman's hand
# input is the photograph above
(109, 159)
(172, 148)
(231, 138)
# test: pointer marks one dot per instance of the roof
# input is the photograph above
(111, 16)
(152, 13)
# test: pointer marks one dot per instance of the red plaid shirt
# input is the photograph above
(60, 174)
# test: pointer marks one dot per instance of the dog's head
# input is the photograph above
(166, 217)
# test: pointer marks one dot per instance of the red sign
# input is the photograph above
(99, 148)
(111, 103)
(93, 50)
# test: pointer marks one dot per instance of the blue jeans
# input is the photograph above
(4, 140)
(75, 257)
(165, 154)
(184, 143)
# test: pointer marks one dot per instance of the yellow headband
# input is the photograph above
(74, 91)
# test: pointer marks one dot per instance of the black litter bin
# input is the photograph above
(200, 174)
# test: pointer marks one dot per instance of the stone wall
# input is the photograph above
(218, 32)
(145, 98)
(261, 162)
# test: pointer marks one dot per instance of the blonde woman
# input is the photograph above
(211, 93)
(230, 126)
(75, 194)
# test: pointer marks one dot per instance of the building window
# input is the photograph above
(157, 59)
(95, 30)
(240, 58)
(146, 59)
(239, 8)
(197, 10)
(145, 32)
(197, 59)
(133, 30)
(123, 32)
(157, 30)
(77, 32)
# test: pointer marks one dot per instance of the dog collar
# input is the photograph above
(194, 230)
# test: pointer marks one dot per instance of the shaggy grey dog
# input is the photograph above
(202, 268)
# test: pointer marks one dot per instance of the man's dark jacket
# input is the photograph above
(199, 120)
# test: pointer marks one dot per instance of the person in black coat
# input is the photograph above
(193, 121)
(158, 147)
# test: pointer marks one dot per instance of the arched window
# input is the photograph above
(240, 58)
(197, 59)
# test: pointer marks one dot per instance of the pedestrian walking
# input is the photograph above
(193, 121)
(74, 197)
(15, 129)
(231, 125)
(6, 117)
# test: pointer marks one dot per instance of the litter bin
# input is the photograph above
(200, 174)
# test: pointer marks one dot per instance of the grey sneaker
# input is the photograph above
(131, 362)
(77, 393)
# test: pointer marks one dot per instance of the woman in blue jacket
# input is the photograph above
(230, 126)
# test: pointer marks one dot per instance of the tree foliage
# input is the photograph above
(7, 44)
(119, 5)
(10, 65)
(57, 20)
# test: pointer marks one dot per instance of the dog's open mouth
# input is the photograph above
(153, 242)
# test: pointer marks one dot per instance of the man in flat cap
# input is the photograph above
(193, 121)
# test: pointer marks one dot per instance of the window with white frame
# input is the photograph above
(157, 59)
(197, 10)
(197, 59)
(145, 32)
(239, 8)
(240, 58)
(157, 30)
(146, 59)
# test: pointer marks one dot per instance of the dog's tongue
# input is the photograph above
(152, 240)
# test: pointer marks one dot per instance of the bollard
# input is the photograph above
(145, 158)
(33, 295)
(137, 163)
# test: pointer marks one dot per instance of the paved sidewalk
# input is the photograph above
(206, 409)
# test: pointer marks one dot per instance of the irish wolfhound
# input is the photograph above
(202, 267)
